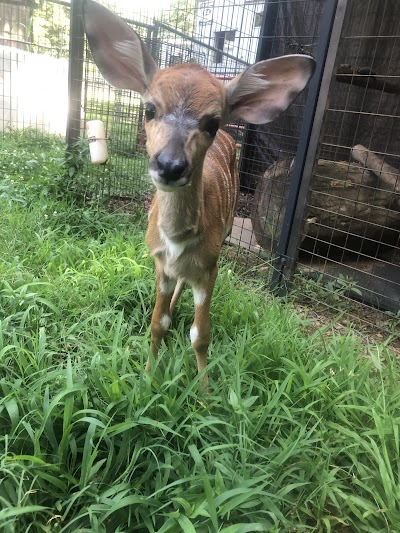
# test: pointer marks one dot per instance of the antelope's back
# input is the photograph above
(221, 178)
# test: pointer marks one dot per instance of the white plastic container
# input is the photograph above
(97, 141)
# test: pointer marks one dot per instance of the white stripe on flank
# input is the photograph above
(225, 178)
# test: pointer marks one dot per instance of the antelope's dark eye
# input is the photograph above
(211, 126)
(150, 111)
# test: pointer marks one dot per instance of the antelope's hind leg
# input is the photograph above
(201, 328)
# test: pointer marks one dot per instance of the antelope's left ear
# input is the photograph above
(266, 89)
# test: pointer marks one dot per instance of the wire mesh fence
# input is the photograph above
(347, 222)
(354, 206)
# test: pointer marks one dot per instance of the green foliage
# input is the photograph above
(30, 165)
(35, 164)
(181, 15)
(50, 27)
(298, 432)
(332, 292)
(392, 324)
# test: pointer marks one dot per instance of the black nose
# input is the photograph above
(171, 167)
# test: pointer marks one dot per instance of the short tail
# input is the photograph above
(177, 292)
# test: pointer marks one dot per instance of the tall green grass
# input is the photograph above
(298, 433)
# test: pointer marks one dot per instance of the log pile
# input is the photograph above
(353, 205)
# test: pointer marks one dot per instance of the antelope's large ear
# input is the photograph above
(266, 89)
(117, 50)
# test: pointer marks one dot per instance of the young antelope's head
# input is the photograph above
(185, 105)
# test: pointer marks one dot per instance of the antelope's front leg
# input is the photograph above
(161, 317)
(201, 327)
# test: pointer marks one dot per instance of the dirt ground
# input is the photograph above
(143, 201)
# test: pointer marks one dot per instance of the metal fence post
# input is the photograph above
(287, 249)
(75, 74)
(264, 51)
(267, 30)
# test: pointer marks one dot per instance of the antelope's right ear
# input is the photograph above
(117, 50)
(263, 91)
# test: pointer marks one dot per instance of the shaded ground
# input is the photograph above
(143, 200)
(130, 204)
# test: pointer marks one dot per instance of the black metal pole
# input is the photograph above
(75, 74)
(267, 30)
(264, 51)
(287, 249)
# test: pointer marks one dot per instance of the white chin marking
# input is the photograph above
(165, 321)
(199, 296)
(194, 334)
(155, 178)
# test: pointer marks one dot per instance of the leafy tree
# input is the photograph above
(50, 27)
(181, 15)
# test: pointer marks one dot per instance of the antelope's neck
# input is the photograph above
(181, 212)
